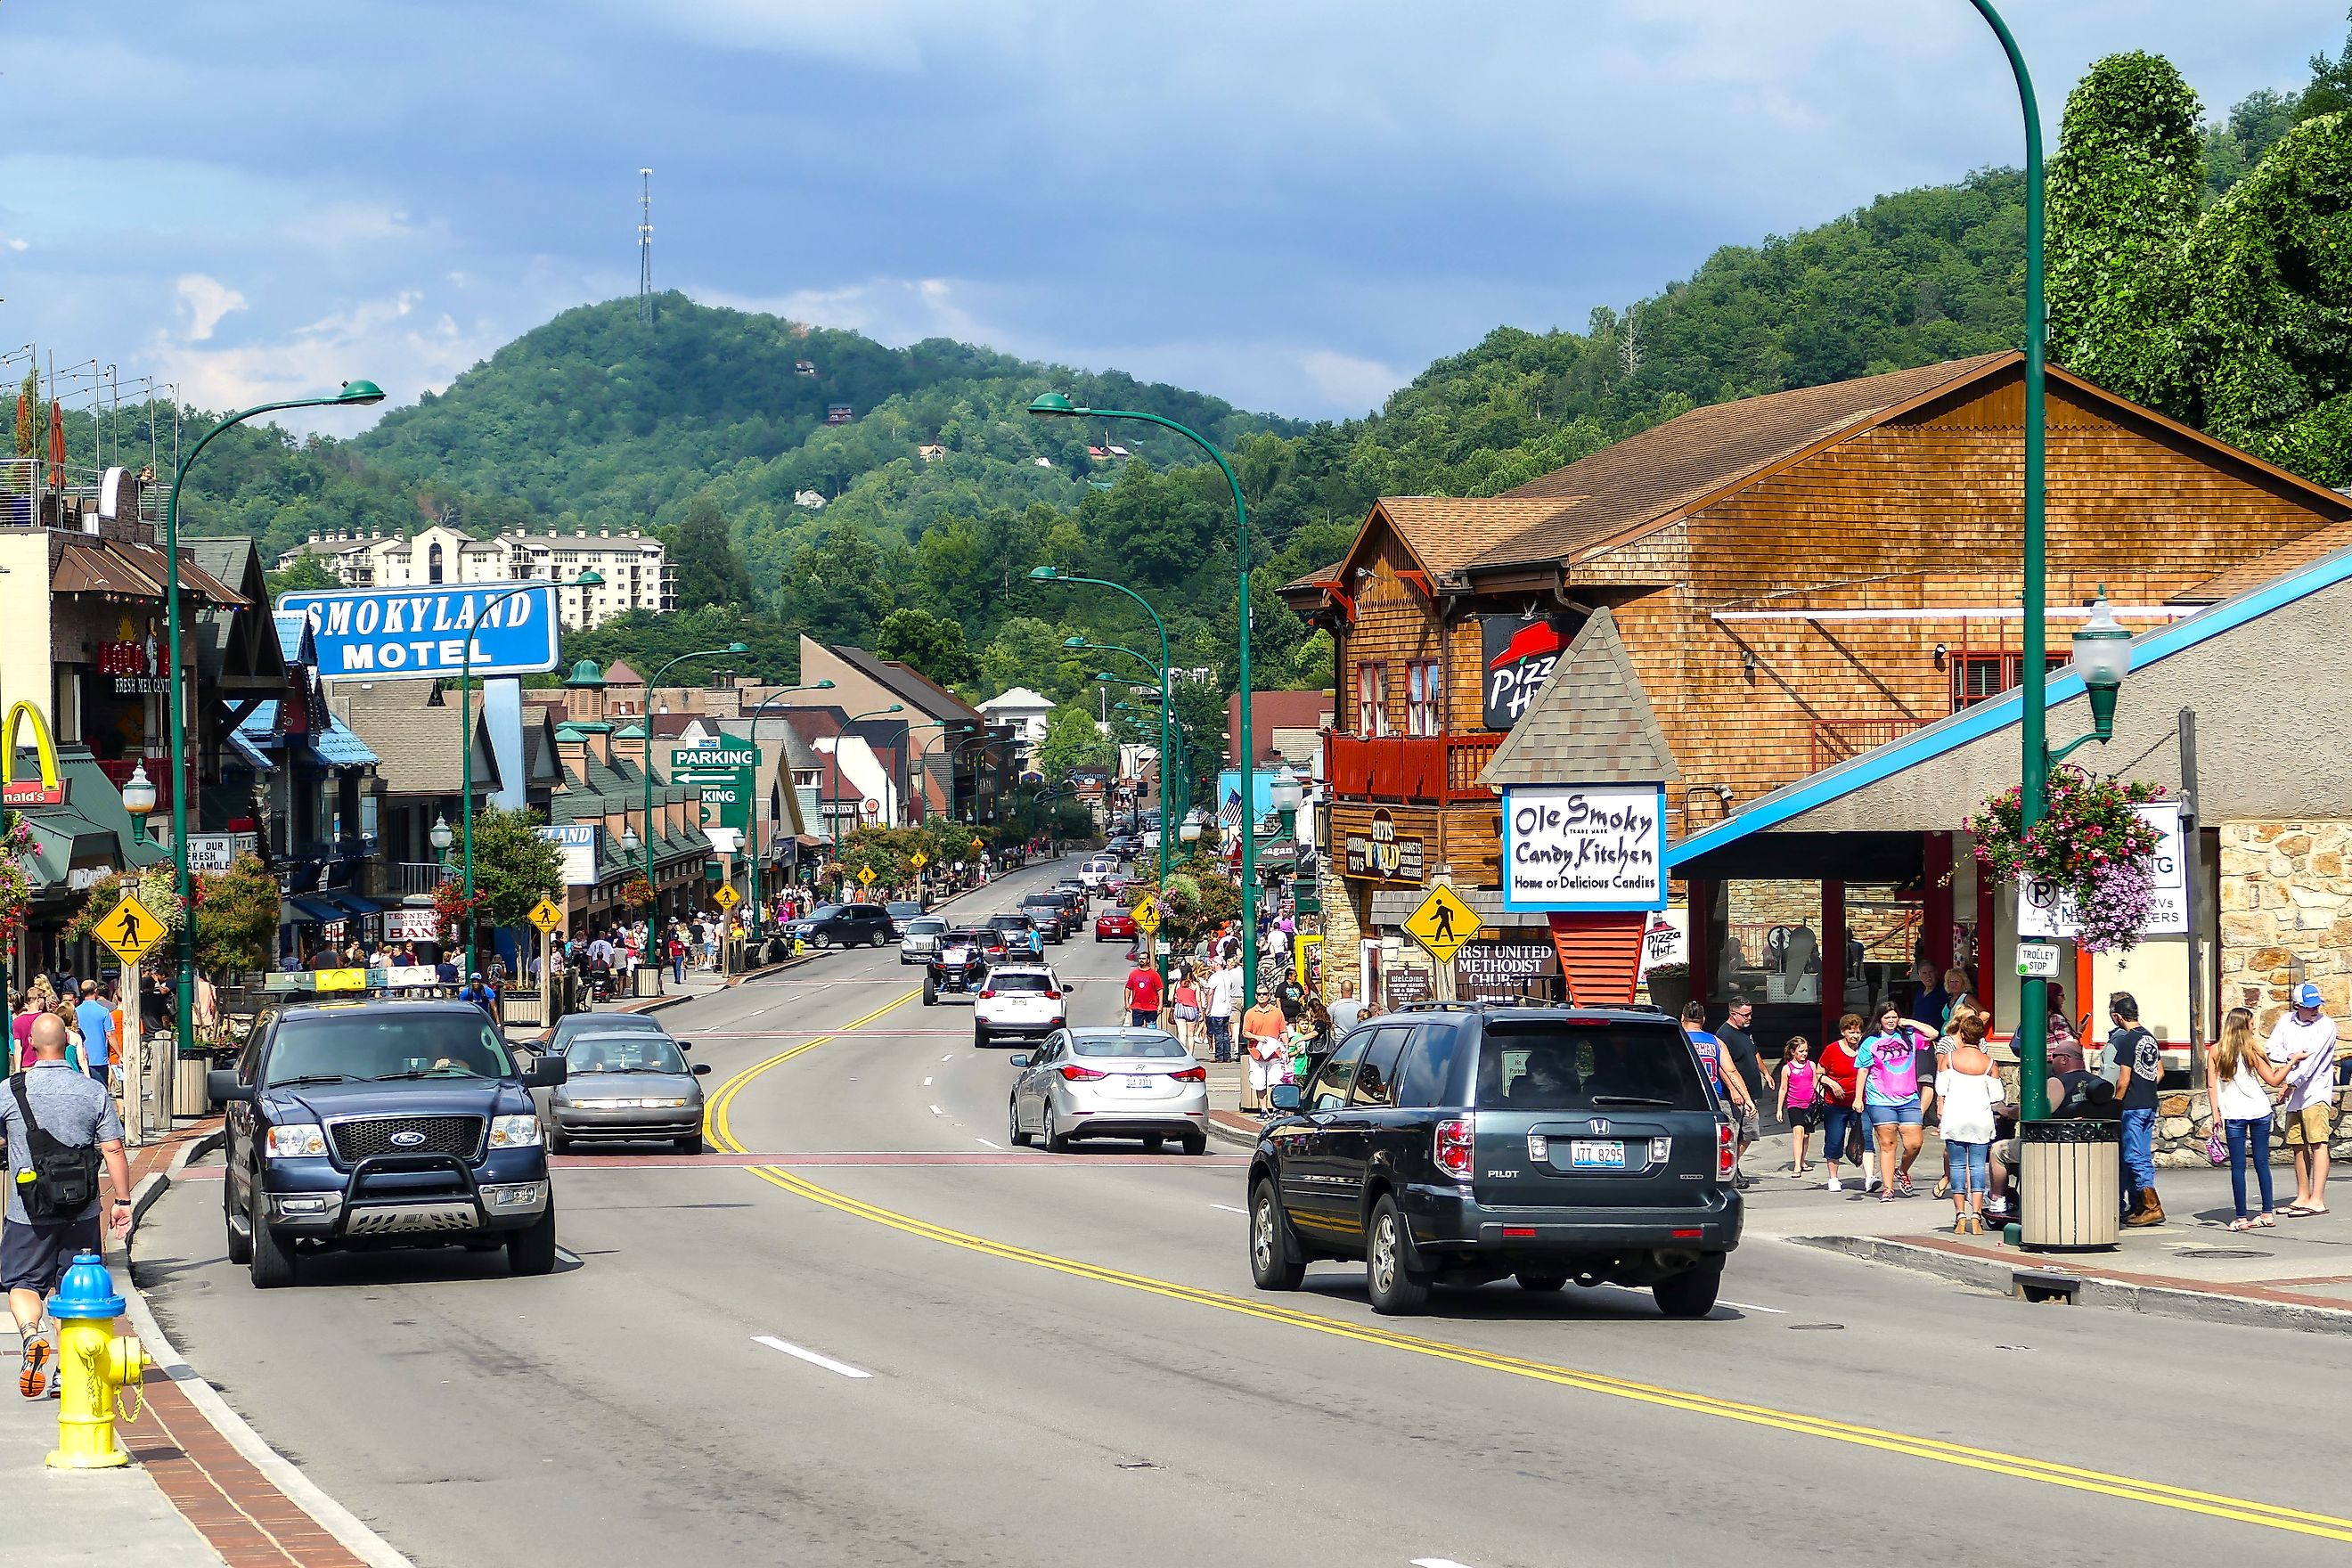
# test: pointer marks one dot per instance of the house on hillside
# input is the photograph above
(1727, 603)
(931, 451)
(1022, 713)
(839, 413)
(812, 499)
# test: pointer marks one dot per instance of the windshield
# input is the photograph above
(907, 909)
(822, 911)
(1151, 1045)
(1017, 981)
(1011, 923)
(929, 925)
(1587, 1067)
(617, 1050)
(386, 1042)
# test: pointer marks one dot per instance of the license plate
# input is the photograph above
(1596, 1154)
(1139, 1082)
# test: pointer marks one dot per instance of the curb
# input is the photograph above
(1237, 1137)
(2000, 1275)
(346, 1527)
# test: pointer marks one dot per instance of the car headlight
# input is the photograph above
(297, 1141)
(514, 1131)
(666, 1104)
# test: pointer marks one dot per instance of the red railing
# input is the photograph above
(1835, 739)
(158, 773)
(1435, 770)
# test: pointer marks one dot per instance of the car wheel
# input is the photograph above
(531, 1250)
(1196, 1143)
(1691, 1293)
(240, 1247)
(1018, 1133)
(881, 939)
(1274, 1262)
(272, 1259)
(1153, 1144)
(691, 1146)
(930, 995)
(819, 940)
(1056, 1140)
(1395, 1289)
(1543, 1284)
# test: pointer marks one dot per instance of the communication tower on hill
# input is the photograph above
(646, 246)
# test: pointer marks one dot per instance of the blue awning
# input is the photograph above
(314, 912)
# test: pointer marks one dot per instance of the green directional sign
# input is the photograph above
(726, 776)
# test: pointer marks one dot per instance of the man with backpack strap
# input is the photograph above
(60, 1125)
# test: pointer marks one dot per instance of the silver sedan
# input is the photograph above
(633, 1085)
(1115, 1083)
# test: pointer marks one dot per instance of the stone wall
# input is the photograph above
(2184, 1121)
(2286, 895)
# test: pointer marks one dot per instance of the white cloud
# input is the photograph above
(896, 36)
(205, 301)
(1347, 382)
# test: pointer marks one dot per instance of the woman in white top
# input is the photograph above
(1967, 1087)
(2238, 1081)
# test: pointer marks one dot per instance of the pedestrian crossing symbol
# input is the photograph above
(919, 859)
(1444, 923)
(130, 930)
(866, 876)
(546, 914)
(726, 898)
(1146, 916)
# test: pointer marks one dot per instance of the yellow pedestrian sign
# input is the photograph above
(919, 859)
(1443, 924)
(726, 898)
(546, 914)
(1146, 916)
(977, 846)
(130, 930)
(866, 876)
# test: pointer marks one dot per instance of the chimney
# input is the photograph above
(603, 533)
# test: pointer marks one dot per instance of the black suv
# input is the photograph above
(845, 925)
(1052, 915)
(383, 1123)
(1457, 1144)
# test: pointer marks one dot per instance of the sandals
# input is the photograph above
(2241, 1224)
(2300, 1211)
(32, 1372)
(1943, 1187)
(2264, 1222)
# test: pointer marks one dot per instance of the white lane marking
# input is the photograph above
(1229, 1208)
(565, 1255)
(936, 1111)
(998, 1147)
(1438, 1562)
(926, 1083)
(1749, 1307)
(826, 1362)
(947, 1058)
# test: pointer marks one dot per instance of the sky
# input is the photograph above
(1295, 204)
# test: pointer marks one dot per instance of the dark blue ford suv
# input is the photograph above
(1455, 1144)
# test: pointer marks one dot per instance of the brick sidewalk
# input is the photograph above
(240, 1512)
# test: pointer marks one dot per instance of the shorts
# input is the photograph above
(1266, 1075)
(1904, 1115)
(1808, 1117)
(1143, 1017)
(2310, 1126)
(33, 1256)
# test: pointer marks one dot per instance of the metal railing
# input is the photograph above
(417, 876)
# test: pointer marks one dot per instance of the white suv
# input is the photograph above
(1096, 872)
(1023, 1000)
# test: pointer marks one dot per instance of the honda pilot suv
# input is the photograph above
(383, 1124)
(1457, 1144)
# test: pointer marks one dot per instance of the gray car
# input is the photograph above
(1118, 1083)
(631, 1085)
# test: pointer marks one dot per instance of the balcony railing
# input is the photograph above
(34, 493)
(1435, 770)
(158, 773)
(1836, 739)
(417, 877)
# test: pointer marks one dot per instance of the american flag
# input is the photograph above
(1232, 816)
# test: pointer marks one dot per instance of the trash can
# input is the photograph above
(2068, 1186)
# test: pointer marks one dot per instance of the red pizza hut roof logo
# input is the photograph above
(1518, 670)
(1534, 640)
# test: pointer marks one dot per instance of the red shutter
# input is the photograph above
(1600, 954)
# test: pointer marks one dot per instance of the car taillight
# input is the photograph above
(1456, 1140)
(1052, 996)
(1076, 1074)
(989, 995)
(1191, 1075)
(1727, 1150)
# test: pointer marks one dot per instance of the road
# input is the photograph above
(898, 1342)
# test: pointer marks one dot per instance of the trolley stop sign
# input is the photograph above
(130, 930)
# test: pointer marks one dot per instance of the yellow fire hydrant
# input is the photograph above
(93, 1364)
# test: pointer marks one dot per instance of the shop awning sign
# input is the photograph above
(1584, 847)
(406, 634)
(2045, 913)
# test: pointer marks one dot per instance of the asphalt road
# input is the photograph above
(908, 1344)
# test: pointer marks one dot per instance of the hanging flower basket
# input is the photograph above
(15, 882)
(2090, 847)
(636, 893)
(452, 906)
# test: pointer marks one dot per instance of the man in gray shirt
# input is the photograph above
(77, 1111)
(1346, 1011)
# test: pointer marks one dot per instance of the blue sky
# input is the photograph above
(1294, 204)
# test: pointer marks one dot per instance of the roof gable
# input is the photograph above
(1591, 722)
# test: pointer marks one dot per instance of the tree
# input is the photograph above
(1028, 652)
(835, 589)
(514, 868)
(932, 646)
(2330, 92)
(709, 571)
(307, 573)
(236, 919)
(30, 416)
(1071, 742)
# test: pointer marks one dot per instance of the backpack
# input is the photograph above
(63, 1180)
(1895, 1077)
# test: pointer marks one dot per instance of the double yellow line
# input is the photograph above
(1990, 1461)
(719, 1112)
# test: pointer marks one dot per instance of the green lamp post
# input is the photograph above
(355, 394)
(759, 850)
(1051, 574)
(1056, 405)
(646, 724)
(832, 818)
(588, 579)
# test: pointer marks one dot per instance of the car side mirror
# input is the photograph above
(1018, 1059)
(686, 1045)
(221, 1084)
(700, 1070)
(1282, 1097)
(546, 1072)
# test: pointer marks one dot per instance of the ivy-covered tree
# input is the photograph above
(709, 571)
(514, 868)
(932, 646)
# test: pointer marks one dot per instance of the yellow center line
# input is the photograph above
(1993, 1461)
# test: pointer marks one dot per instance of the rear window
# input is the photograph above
(1010, 922)
(905, 908)
(1602, 1067)
(1125, 1046)
(1003, 982)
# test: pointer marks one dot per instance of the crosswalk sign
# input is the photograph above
(919, 859)
(546, 914)
(1444, 923)
(866, 876)
(130, 929)
(1147, 915)
(726, 898)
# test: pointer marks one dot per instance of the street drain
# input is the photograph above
(1804, 1328)
(2218, 1252)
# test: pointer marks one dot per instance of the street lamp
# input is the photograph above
(355, 394)
(833, 817)
(628, 838)
(646, 724)
(138, 799)
(1191, 832)
(442, 838)
(587, 579)
(1160, 670)
(2101, 657)
(1056, 405)
(761, 789)
(1285, 792)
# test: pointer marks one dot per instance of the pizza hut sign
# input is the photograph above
(1518, 654)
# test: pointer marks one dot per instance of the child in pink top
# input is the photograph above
(1799, 1095)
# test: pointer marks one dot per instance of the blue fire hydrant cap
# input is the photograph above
(87, 1290)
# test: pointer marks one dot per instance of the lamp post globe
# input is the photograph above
(1285, 792)
(630, 843)
(138, 792)
(442, 837)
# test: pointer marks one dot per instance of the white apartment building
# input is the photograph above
(637, 571)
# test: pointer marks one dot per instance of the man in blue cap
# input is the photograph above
(2303, 1042)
